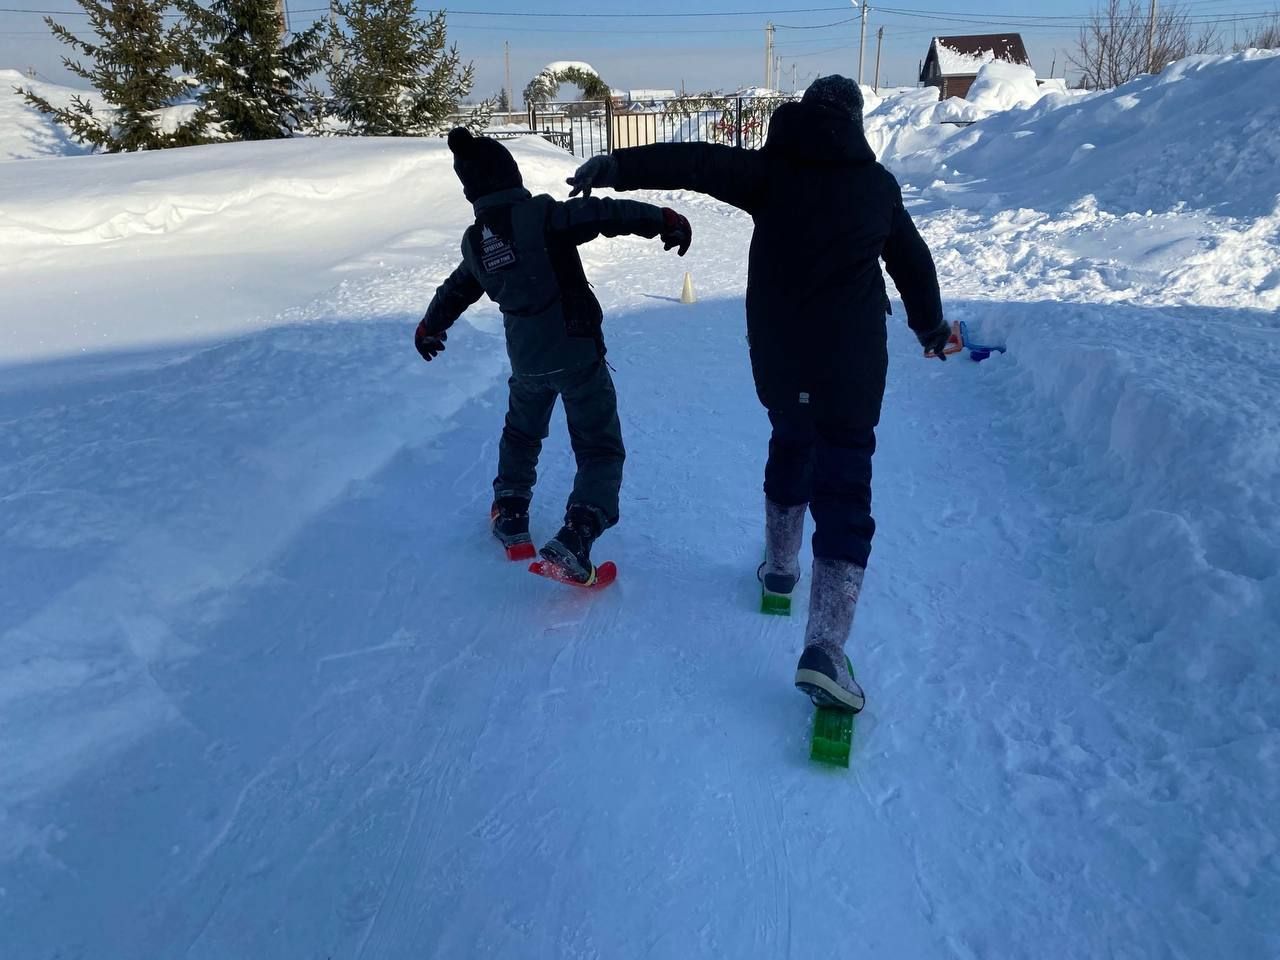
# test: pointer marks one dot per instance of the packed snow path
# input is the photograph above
(267, 688)
(381, 741)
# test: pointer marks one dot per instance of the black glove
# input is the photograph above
(676, 231)
(936, 340)
(429, 344)
(596, 172)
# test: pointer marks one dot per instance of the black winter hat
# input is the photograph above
(837, 92)
(483, 165)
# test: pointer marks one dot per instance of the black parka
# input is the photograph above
(523, 252)
(825, 212)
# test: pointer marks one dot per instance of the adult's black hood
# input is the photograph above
(816, 134)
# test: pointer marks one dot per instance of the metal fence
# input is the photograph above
(589, 128)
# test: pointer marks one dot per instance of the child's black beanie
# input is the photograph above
(483, 165)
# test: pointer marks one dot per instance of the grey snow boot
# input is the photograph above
(823, 671)
(783, 532)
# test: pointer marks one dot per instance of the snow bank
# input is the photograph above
(1205, 133)
(1004, 86)
(1124, 245)
(1169, 459)
(915, 134)
(25, 132)
(203, 218)
(907, 129)
(103, 199)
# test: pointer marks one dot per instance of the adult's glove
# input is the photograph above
(429, 344)
(596, 172)
(936, 340)
(676, 231)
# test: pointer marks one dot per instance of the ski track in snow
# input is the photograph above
(273, 692)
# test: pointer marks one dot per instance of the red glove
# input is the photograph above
(676, 231)
(429, 344)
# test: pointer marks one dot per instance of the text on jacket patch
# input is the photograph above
(495, 253)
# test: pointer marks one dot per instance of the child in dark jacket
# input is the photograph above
(825, 214)
(522, 252)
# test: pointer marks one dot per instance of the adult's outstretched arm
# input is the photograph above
(731, 174)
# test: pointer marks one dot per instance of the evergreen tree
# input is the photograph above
(132, 66)
(252, 86)
(542, 89)
(393, 75)
(545, 87)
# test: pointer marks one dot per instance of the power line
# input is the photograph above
(611, 33)
(622, 16)
(954, 15)
(815, 26)
(819, 53)
(1020, 22)
(1019, 19)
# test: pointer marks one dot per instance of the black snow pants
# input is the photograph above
(828, 466)
(591, 411)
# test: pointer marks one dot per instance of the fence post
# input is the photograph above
(739, 123)
(533, 118)
(608, 124)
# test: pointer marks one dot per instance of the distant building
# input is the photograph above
(953, 62)
(645, 96)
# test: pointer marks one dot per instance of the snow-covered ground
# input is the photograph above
(267, 690)
(24, 132)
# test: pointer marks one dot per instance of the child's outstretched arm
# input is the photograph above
(585, 218)
(460, 290)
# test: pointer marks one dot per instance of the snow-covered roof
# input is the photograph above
(964, 56)
(953, 62)
(649, 94)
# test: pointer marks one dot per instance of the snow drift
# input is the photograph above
(25, 132)
(1203, 134)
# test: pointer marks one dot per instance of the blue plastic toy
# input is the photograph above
(977, 351)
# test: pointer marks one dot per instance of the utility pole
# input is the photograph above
(1151, 40)
(793, 78)
(768, 55)
(282, 15)
(862, 43)
(335, 54)
(879, 42)
(506, 44)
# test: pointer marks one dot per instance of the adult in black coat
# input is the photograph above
(825, 213)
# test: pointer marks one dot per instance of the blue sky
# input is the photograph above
(721, 48)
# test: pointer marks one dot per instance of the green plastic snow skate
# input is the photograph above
(773, 602)
(832, 734)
